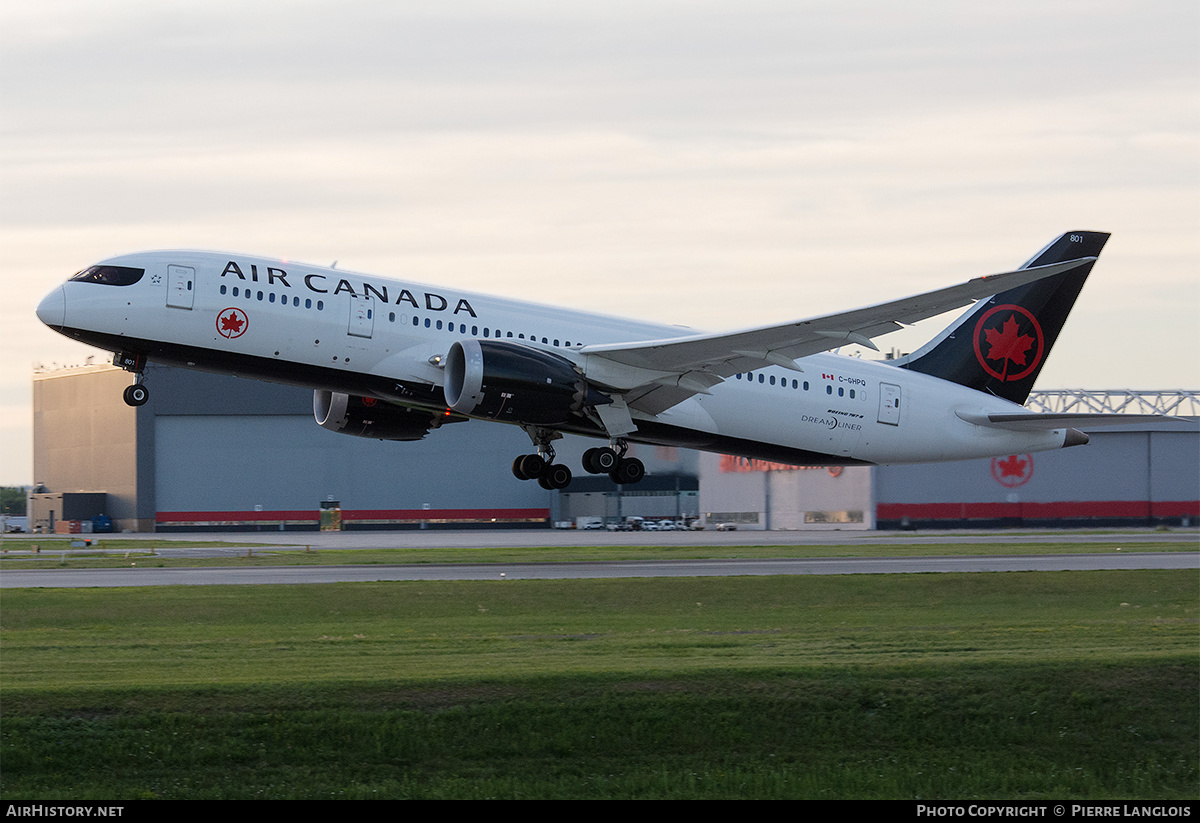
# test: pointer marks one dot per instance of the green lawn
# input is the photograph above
(1014, 685)
(115, 552)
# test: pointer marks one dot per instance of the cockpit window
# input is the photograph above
(110, 275)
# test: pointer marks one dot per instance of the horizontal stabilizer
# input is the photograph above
(1033, 421)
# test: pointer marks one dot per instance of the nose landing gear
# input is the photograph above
(137, 394)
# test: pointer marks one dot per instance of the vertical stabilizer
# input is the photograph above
(1000, 344)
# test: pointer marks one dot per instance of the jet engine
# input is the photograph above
(515, 382)
(368, 417)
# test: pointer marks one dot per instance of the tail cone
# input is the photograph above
(1075, 438)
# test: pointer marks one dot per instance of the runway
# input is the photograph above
(508, 538)
(1016, 562)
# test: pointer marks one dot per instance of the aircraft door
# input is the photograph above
(181, 286)
(889, 404)
(362, 316)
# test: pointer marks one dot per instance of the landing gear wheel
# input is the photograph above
(599, 461)
(528, 466)
(555, 476)
(549, 476)
(136, 395)
(629, 470)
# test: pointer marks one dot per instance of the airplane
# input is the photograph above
(394, 360)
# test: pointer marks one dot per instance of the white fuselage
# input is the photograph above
(342, 331)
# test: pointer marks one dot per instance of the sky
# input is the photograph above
(713, 164)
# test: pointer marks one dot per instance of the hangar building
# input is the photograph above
(211, 452)
(217, 452)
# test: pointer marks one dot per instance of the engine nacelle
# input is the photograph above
(368, 417)
(514, 382)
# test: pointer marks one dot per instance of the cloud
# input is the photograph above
(689, 162)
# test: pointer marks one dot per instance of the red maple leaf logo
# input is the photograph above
(1011, 466)
(232, 323)
(1012, 471)
(1008, 345)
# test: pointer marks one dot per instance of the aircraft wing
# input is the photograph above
(655, 375)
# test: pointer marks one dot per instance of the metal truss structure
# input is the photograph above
(1174, 402)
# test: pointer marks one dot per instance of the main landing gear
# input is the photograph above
(613, 462)
(541, 466)
(550, 475)
(137, 394)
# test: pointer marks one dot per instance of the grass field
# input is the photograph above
(1016, 685)
(115, 552)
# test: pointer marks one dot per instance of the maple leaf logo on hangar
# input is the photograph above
(1014, 342)
(232, 323)
(1012, 471)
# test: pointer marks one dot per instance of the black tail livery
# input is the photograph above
(1001, 343)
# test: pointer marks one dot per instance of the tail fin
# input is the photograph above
(999, 345)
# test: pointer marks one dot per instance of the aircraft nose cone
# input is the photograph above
(53, 309)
